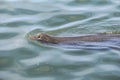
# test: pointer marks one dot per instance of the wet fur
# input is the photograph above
(88, 38)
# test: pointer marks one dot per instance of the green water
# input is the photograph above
(21, 59)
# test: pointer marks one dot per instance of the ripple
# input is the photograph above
(99, 18)
(40, 70)
(16, 24)
(7, 35)
(18, 11)
(62, 19)
(116, 14)
(103, 76)
(109, 59)
(88, 2)
(6, 62)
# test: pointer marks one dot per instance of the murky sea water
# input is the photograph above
(21, 59)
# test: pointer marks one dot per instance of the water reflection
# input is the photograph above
(6, 61)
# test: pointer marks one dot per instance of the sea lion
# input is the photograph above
(42, 37)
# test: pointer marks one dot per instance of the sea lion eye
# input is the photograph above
(38, 36)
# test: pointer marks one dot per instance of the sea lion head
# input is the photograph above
(44, 38)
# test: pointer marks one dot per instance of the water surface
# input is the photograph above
(21, 59)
